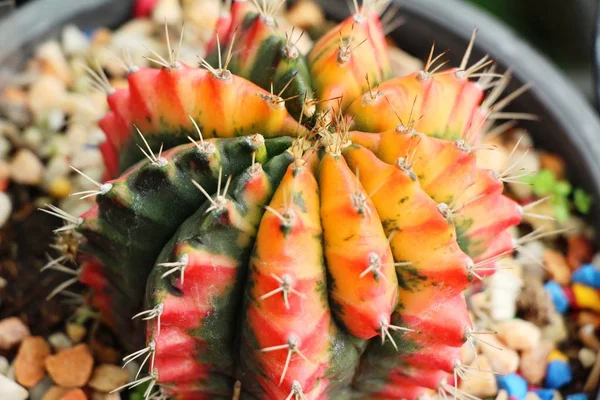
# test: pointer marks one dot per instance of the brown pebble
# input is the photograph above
(588, 318)
(55, 393)
(579, 251)
(74, 394)
(12, 332)
(557, 266)
(71, 367)
(29, 364)
(533, 362)
(554, 163)
(107, 377)
(103, 353)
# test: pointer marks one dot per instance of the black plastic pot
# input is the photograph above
(568, 124)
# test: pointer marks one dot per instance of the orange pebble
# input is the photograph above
(579, 251)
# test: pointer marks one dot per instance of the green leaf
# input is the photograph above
(582, 201)
(561, 208)
(542, 182)
(562, 188)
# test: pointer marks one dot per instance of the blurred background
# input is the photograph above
(563, 30)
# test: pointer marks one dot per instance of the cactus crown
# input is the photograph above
(314, 238)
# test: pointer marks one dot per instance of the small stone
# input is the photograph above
(502, 395)
(587, 274)
(54, 61)
(44, 95)
(60, 188)
(479, 381)
(554, 163)
(26, 168)
(587, 357)
(33, 137)
(546, 394)
(558, 296)
(60, 341)
(305, 14)
(4, 365)
(71, 367)
(104, 353)
(55, 393)
(502, 359)
(5, 208)
(533, 362)
(12, 332)
(556, 330)
(74, 41)
(169, 11)
(504, 287)
(74, 394)
(29, 363)
(38, 391)
(586, 297)
(10, 390)
(518, 334)
(55, 120)
(558, 374)
(107, 377)
(13, 105)
(557, 266)
(514, 385)
(579, 251)
(56, 168)
(75, 331)
(557, 355)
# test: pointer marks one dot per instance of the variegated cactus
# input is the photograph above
(314, 239)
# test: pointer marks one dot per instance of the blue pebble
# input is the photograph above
(558, 374)
(560, 300)
(514, 385)
(587, 275)
(545, 394)
(577, 396)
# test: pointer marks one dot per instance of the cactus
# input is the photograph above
(315, 238)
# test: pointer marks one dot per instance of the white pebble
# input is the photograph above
(55, 168)
(5, 208)
(26, 168)
(55, 120)
(169, 11)
(54, 61)
(587, 357)
(504, 288)
(33, 137)
(60, 341)
(4, 365)
(10, 390)
(74, 41)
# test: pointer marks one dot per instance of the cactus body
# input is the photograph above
(304, 260)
